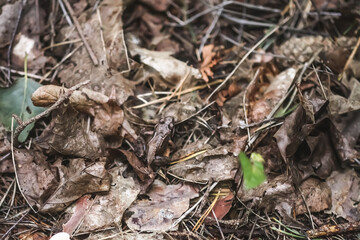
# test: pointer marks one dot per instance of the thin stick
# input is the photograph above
(78, 28)
(13, 38)
(245, 57)
(62, 98)
(22, 73)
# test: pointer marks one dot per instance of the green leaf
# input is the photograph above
(17, 100)
(253, 169)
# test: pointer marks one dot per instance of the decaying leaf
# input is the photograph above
(313, 149)
(105, 211)
(83, 100)
(345, 188)
(76, 178)
(166, 203)
(113, 234)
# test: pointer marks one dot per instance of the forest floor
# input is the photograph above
(177, 119)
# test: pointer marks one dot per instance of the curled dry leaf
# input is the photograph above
(170, 69)
(108, 119)
(81, 208)
(166, 203)
(144, 172)
(83, 100)
(127, 235)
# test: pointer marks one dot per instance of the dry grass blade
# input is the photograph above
(206, 213)
(190, 156)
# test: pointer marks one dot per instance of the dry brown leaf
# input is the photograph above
(279, 194)
(340, 105)
(143, 171)
(108, 116)
(166, 203)
(76, 178)
(345, 188)
(70, 134)
(36, 177)
(106, 211)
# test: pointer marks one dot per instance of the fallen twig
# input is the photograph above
(78, 28)
(328, 230)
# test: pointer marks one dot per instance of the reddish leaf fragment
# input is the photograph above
(81, 208)
(208, 62)
(222, 206)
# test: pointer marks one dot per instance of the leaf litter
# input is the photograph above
(136, 153)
